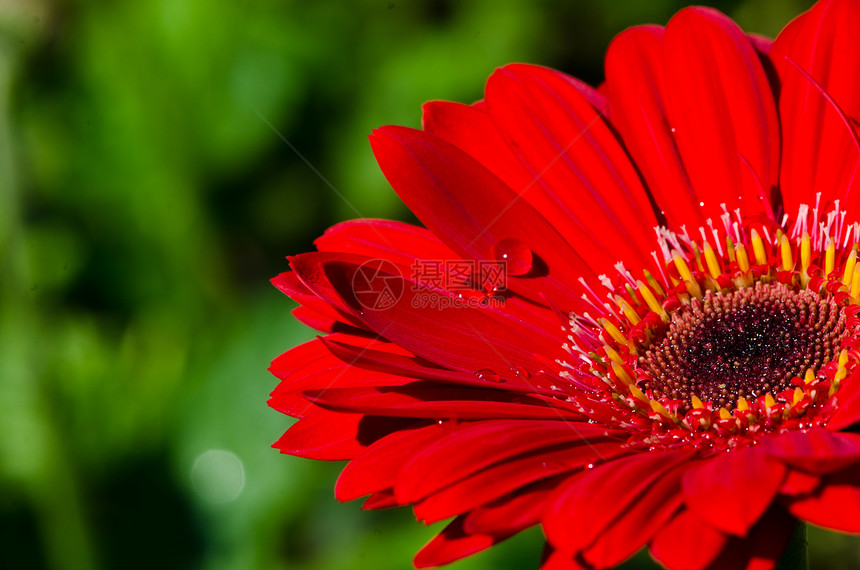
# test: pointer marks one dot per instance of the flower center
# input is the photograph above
(742, 343)
(726, 340)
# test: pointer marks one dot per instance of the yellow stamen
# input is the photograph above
(855, 282)
(711, 260)
(830, 258)
(730, 248)
(843, 358)
(725, 414)
(697, 403)
(628, 311)
(613, 355)
(649, 297)
(769, 401)
(840, 374)
(697, 253)
(848, 274)
(758, 248)
(785, 253)
(741, 254)
(743, 405)
(613, 331)
(683, 268)
(637, 393)
(805, 252)
(809, 377)
(658, 407)
(692, 285)
(798, 396)
(653, 282)
(621, 373)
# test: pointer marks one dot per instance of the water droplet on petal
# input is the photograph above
(520, 373)
(519, 258)
(488, 375)
(701, 203)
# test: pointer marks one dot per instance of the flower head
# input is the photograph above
(631, 316)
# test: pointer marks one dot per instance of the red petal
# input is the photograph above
(584, 183)
(819, 152)
(590, 503)
(471, 210)
(397, 242)
(847, 403)
(376, 468)
(470, 128)
(511, 475)
(835, 505)
(510, 514)
(323, 435)
(733, 490)
(433, 325)
(558, 560)
(416, 368)
(289, 283)
(638, 524)
(424, 400)
(634, 78)
(722, 109)
(799, 483)
(687, 543)
(311, 366)
(817, 450)
(476, 446)
(762, 548)
(453, 544)
(380, 500)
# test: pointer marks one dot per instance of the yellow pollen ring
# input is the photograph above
(758, 248)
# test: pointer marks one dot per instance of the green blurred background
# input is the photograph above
(150, 184)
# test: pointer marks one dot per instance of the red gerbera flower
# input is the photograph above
(632, 316)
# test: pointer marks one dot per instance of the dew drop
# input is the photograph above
(520, 373)
(673, 129)
(701, 203)
(518, 257)
(488, 375)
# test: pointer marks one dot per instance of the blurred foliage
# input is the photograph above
(158, 158)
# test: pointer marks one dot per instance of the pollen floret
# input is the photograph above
(742, 335)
